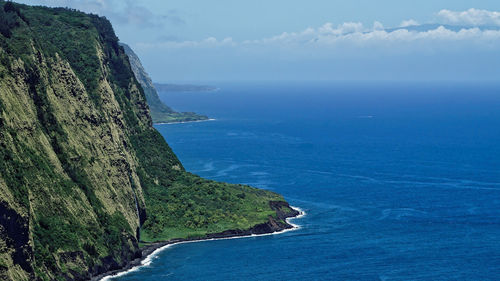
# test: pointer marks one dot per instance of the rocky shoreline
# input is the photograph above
(271, 226)
(184, 122)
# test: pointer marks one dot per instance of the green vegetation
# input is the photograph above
(193, 206)
(82, 171)
(39, 37)
(180, 204)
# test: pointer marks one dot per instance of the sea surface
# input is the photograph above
(400, 181)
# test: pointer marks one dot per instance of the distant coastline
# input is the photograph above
(150, 251)
(182, 122)
(183, 88)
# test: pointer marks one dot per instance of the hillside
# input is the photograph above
(160, 112)
(84, 177)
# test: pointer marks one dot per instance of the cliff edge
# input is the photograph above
(83, 174)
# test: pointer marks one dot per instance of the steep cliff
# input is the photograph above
(83, 174)
(159, 111)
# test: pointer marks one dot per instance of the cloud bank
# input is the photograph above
(351, 33)
(410, 22)
(472, 17)
(459, 47)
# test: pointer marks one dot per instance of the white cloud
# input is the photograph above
(345, 28)
(354, 34)
(472, 16)
(410, 22)
(378, 26)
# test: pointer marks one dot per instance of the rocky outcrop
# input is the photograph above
(14, 230)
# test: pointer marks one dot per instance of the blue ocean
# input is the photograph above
(399, 180)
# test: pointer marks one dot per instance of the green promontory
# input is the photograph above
(84, 177)
(160, 112)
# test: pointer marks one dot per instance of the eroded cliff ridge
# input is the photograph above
(160, 113)
(83, 174)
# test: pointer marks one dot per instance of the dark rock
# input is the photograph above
(14, 230)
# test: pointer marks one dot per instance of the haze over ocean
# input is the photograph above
(400, 181)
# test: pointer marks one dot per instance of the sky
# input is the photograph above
(235, 40)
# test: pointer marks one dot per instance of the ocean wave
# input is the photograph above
(400, 213)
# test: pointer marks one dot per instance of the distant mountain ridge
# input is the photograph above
(160, 112)
(433, 26)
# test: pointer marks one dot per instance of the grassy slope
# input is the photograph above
(180, 204)
(76, 144)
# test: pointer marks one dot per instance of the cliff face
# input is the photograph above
(83, 174)
(69, 171)
(159, 111)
